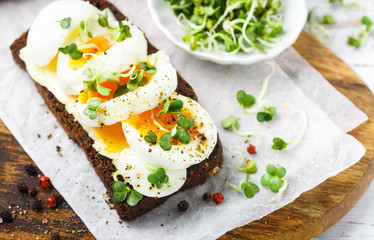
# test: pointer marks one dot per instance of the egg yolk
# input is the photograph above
(92, 47)
(113, 137)
(85, 94)
(150, 121)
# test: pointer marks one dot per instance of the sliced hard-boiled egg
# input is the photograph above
(203, 135)
(162, 85)
(46, 35)
(135, 172)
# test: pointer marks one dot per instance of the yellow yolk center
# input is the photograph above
(113, 137)
(90, 49)
(150, 121)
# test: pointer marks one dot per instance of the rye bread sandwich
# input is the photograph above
(121, 101)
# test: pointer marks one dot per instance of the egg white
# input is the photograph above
(179, 156)
(135, 173)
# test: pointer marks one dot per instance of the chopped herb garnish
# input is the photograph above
(65, 23)
(123, 33)
(273, 178)
(72, 50)
(232, 123)
(158, 178)
(91, 110)
(363, 35)
(103, 20)
(267, 115)
(148, 68)
(175, 107)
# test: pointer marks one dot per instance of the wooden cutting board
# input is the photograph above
(310, 214)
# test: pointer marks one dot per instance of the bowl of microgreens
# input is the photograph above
(230, 31)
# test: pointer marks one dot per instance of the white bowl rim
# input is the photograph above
(241, 59)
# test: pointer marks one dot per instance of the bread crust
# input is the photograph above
(196, 174)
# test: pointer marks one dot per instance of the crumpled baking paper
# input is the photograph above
(324, 151)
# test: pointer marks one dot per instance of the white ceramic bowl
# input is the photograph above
(294, 11)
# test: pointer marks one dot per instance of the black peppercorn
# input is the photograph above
(6, 216)
(36, 205)
(183, 206)
(33, 192)
(206, 197)
(58, 197)
(31, 170)
(22, 187)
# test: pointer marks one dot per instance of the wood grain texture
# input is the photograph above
(307, 216)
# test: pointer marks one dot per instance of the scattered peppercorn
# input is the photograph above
(206, 197)
(58, 149)
(31, 170)
(217, 198)
(44, 182)
(6, 216)
(183, 206)
(33, 192)
(59, 198)
(251, 149)
(55, 236)
(22, 187)
(36, 205)
(51, 202)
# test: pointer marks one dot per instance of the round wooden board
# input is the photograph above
(310, 214)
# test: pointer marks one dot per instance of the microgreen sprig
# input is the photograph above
(65, 22)
(84, 28)
(266, 115)
(94, 82)
(345, 5)
(317, 27)
(180, 131)
(231, 123)
(164, 140)
(158, 177)
(103, 20)
(174, 107)
(121, 192)
(72, 50)
(244, 99)
(250, 166)
(363, 34)
(273, 178)
(91, 110)
(279, 143)
(148, 68)
(250, 188)
(123, 33)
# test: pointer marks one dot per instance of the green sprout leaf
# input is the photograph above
(250, 189)
(184, 122)
(249, 167)
(91, 110)
(120, 191)
(148, 68)
(279, 144)
(133, 198)
(164, 141)
(158, 178)
(267, 115)
(151, 137)
(65, 22)
(103, 20)
(123, 33)
(72, 50)
(244, 99)
(184, 137)
(273, 178)
(363, 35)
(174, 107)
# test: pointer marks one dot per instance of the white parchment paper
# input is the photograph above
(324, 151)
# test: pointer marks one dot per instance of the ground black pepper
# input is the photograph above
(206, 197)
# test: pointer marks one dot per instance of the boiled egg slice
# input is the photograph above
(203, 135)
(135, 172)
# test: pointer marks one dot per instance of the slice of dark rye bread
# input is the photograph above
(196, 174)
